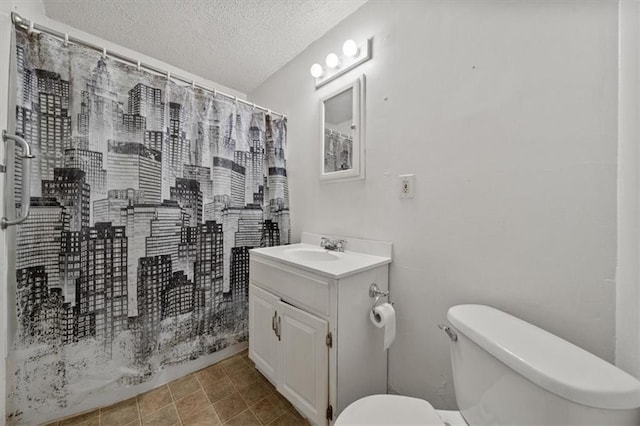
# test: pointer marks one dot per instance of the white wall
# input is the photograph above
(507, 114)
(628, 270)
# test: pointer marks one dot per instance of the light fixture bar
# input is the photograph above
(347, 64)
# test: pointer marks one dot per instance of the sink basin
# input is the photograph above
(315, 259)
(312, 254)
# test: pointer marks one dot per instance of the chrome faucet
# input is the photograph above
(333, 245)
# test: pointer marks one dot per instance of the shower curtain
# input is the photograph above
(146, 197)
(338, 151)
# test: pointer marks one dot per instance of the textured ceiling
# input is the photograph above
(237, 43)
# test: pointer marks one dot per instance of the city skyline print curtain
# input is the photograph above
(338, 151)
(146, 197)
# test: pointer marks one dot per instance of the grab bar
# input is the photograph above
(26, 181)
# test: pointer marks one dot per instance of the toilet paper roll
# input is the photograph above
(384, 315)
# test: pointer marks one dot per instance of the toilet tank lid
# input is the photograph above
(547, 360)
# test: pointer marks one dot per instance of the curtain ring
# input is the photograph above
(31, 27)
(66, 40)
(168, 75)
(104, 53)
(268, 112)
(138, 64)
(215, 92)
(253, 106)
(193, 84)
(284, 116)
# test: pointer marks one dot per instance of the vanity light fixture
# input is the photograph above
(316, 70)
(332, 60)
(350, 48)
(353, 54)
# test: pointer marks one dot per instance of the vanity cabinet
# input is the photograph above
(263, 314)
(289, 348)
(309, 328)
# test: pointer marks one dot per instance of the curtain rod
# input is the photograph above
(30, 26)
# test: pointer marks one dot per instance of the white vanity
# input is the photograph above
(309, 327)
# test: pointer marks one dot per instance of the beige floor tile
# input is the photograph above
(248, 360)
(206, 417)
(184, 386)
(288, 419)
(92, 422)
(269, 408)
(80, 419)
(297, 415)
(232, 364)
(166, 416)
(285, 401)
(154, 400)
(220, 389)
(119, 414)
(254, 391)
(193, 394)
(266, 381)
(95, 421)
(244, 376)
(246, 418)
(192, 403)
(210, 375)
(230, 406)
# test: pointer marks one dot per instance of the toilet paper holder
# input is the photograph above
(374, 291)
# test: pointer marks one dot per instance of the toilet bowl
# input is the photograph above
(509, 372)
(379, 410)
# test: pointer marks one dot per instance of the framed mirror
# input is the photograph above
(342, 133)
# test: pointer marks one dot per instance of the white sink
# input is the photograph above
(311, 254)
(329, 263)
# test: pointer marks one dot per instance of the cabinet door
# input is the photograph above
(303, 369)
(263, 342)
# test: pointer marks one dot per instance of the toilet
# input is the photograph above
(509, 372)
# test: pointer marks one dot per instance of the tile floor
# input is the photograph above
(231, 392)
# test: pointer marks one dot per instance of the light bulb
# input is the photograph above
(332, 60)
(316, 70)
(350, 48)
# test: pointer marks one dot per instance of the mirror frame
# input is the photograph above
(358, 169)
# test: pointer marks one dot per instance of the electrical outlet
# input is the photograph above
(407, 186)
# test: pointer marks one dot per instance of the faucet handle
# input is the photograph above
(340, 244)
(323, 242)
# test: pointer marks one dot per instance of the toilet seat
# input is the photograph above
(389, 410)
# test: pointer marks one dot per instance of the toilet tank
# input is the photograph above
(509, 372)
